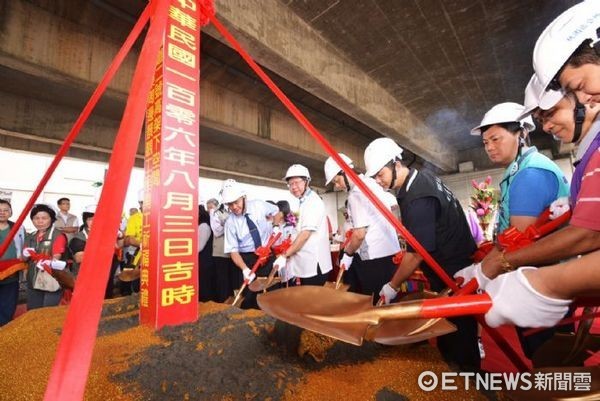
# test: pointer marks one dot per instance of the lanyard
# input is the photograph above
(514, 169)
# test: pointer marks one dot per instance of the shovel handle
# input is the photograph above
(468, 288)
(259, 262)
(340, 275)
(238, 296)
(457, 305)
(262, 259)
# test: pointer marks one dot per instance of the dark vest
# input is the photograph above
(453, 241)
(44, 246)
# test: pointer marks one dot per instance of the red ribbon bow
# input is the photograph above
(283, 247)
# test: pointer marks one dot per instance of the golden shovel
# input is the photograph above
(132, 272)
(263, 254)
(347, 316)
(338, 284)
(129, 274)
(261, 284)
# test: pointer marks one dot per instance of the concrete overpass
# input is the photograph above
(421, 72)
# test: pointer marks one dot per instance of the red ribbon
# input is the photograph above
(347, 239)
(283, 247)
(263, 253)
(397, 259)
(39, 257)
(5, 264)
(512, 239)
(71, 366)
(361, 185)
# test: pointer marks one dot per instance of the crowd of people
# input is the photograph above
(53, 252)
(562, 98)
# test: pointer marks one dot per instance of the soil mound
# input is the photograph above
(228, 354)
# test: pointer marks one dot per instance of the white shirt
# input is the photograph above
(204, 233)
(217, 221)
(237, 232)
(65, 218)
(286, 231)
(316, 249)
(381, 239)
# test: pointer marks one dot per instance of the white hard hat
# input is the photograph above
(297, 170)
(332, 168)
(228, 183)
(380, 152)
(560, 39)
(504, 113)
(232, 191)
(533, 92)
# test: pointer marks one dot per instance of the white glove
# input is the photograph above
(346, 261)
(248, 275)
(338, 238)
(515, 301)
(27, 252)
(43, 265)
(286, 274)
(473, 271)
(222, 216)
(280, 262)
(387, 293)
(58, 264)
(53, 264)
(559, 207)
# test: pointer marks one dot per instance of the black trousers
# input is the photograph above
(351, 276)
(319, 279)
(250, 258)
(460, 348)
(531, 343)
(223, 268)
(374, 274)
(207, 278)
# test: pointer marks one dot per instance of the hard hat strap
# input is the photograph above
(346, 182)
(579, 113)
(394, 175)
(305, 186)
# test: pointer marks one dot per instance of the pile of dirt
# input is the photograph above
(228, 354)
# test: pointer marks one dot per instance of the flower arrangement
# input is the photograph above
(291, 219)
(484, 202)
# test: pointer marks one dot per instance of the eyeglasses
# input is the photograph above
(294, 183)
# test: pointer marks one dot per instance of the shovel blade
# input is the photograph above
(236, 299)
(396, 332)
(128, 275)
(342, 286)
(292, 304)
(262, 283)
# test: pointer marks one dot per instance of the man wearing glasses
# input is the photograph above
(308, 259)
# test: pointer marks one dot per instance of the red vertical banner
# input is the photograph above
(169, 272)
